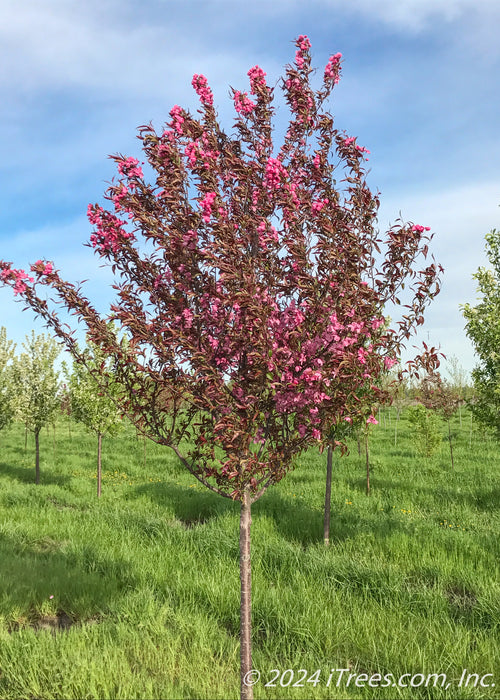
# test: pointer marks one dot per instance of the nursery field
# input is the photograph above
(136, 595)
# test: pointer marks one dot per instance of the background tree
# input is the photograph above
(36, 384)
(248, 288)
(7, 349)
(426, 435)
(94, 395)
(440, 396)
(483, 328)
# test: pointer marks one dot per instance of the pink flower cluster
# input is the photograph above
(203, 91)
(177, 119)
(420, 229)
(318, 205)
(274, 171)
(110, 232)
(303, 45)
(242, 103)
(332, 68)
(46, 270)
(257, 79)
(207, 204)
(199, 150)
(130, 168)
(17, 277)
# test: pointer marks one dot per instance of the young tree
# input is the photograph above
(94, 397)
(256, 305)
(482, 325)
(36, 383)
(7, 349)
(440, 396)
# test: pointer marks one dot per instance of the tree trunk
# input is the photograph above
(328, 493)
(451, 447)
(367, 465)
(37, 456)
(99, 446)
(25, 437)
(246, 596)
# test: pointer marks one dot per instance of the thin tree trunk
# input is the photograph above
(25, 436)
(451, 447)
(246, 596)
(99, 450)
(328, 493)
(144, 438)
(37, 456)
(367, 465)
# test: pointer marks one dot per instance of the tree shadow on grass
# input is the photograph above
(44, 586)
(26, 475)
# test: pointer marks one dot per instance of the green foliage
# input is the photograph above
(426, 434)
(36, 382)
(483, 328)
(6, 383)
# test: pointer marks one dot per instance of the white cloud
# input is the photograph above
(460, 217)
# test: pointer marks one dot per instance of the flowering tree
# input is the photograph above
(247, 286)
(6, 389)
(95, 398)
(36, 384)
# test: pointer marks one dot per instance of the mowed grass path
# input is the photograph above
(137, 595)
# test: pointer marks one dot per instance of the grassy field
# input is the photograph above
(137, 595)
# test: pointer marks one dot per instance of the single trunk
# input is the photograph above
(37, 456)
(246, 597)
(367, 465)
(99, 446)
(328, 493)
(451, 447)
(144, 438)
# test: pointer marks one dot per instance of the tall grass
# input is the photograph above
(135, 595)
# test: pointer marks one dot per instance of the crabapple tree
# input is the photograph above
(251, 284)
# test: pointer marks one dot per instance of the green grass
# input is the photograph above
(137, 595)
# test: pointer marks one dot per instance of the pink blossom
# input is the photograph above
(242, 103)
(332, 68)
(316, 434)
(130, 167)
(389, 362)
(420, 229)
(177, 119)
(205, 94)
(371, 419)
(257, 79)
(207, 205)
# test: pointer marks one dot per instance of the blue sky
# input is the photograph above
(420, 90)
